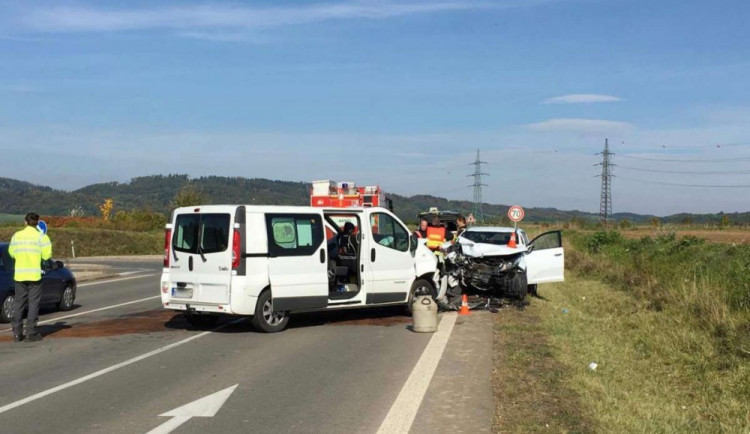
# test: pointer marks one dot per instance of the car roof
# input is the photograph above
(491, 229)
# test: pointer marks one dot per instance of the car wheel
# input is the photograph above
(265, 318)
(421, 286)
(6, 310)
(67, 298)
(202, 321)
(518, 286)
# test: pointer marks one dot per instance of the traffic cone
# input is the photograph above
(464, 306)
(512, 242)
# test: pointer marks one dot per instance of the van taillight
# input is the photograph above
(167, 244)
(236, 254)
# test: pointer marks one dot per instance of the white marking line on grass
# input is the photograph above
(47, 321)
(83, 379)
(404, 409)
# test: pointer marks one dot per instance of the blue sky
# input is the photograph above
(399, 92)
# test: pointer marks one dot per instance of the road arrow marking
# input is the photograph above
(207, 406)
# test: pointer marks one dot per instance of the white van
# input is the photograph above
(269, 261)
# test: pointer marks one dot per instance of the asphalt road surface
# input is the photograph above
(118, 361)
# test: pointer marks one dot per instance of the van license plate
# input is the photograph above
(182, 292)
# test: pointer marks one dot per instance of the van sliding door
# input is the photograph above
(298, 261)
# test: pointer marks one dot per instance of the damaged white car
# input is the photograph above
(484, 260)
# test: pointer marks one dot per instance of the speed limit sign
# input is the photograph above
(515, 213)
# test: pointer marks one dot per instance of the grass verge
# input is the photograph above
(657, 371)
(98, 242)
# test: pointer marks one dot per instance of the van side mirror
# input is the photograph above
(413, 242)
(530, 248)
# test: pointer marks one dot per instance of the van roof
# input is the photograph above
(269, 208)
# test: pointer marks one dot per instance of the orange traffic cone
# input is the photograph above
(464, 306)
(512, 242)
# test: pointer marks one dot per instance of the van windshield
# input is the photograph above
(211, 229)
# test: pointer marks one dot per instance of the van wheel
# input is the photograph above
(419, 286)
(532, 290)
(6, 309)
(201, 321)
(518, 286)
(265, 319)
(67, 299)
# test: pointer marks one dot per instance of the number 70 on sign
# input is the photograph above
(515, 213)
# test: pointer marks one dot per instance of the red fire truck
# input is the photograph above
(347, 194)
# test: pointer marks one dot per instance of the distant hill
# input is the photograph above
(156, 192)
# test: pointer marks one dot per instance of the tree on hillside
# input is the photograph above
(106, 209)
(188, 195)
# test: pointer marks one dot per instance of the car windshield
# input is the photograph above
(496, 238)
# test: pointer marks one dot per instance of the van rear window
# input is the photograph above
(211, 229)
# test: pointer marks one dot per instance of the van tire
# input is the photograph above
(202, 321)
(265, 319)
(417, 285)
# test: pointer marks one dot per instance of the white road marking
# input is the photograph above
(207, 406)
(100, 282)
(404, 409)
(96, 374)
(47, 321)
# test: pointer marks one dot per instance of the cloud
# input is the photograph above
(581, 98)
(90, 19)
(584, 126)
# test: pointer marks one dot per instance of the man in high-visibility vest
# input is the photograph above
(28, 247)
(437, 234)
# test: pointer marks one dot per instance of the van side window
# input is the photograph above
(294, 234)
(388, 232)
(211, 229)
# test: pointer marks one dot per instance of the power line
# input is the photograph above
(702, 160)
(697, 172)
(605, 201)
(478, 187)
(685, 185)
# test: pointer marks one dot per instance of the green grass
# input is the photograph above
(98, 242)
(668, 321)
(659, 371)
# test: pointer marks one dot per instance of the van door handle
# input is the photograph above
(190, 264)
(322, 256)
(558, 254)
(372, 255)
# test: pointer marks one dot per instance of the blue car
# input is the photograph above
(58, 285)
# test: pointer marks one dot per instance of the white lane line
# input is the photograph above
(83, 379)
(404, 409)
(90, 311)
(101, 282)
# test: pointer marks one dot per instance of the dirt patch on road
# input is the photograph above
(142, 322)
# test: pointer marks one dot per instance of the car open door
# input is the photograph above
(546, 261)
(297, 261)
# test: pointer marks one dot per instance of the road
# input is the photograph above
(118, 361)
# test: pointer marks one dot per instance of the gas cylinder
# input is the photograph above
(424, 314)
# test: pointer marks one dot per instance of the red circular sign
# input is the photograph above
(516, 213)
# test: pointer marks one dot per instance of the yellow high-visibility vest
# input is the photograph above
(29, 248)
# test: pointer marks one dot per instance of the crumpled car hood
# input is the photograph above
(479, 250)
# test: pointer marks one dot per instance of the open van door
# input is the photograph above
(297, 261)
(546, 261)
(200, 268)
